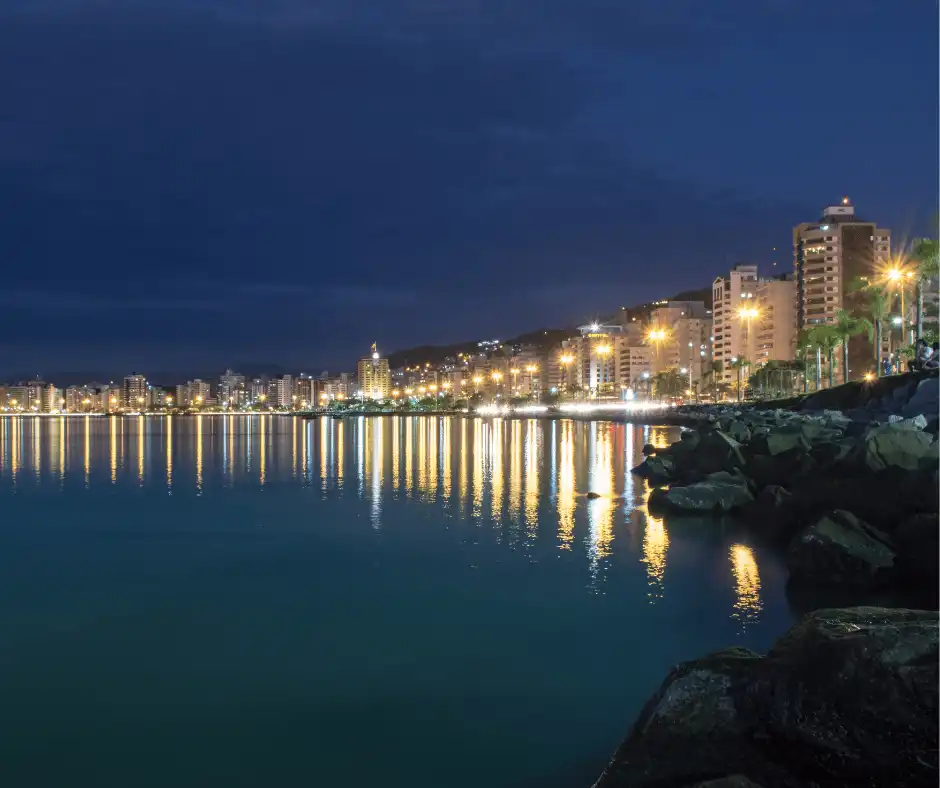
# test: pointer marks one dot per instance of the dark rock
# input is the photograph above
(894, 445)
(658, 468)
(788, 438)
(784, 468)
(593, 496)
(731, 781)
(691, 729)
(840, 549)
(886, 498)
(918, 547)
(773, 514)
(648, 449)
(715, 452)
(739, 431)
(924, 400)
(719, 493)
(848, 697)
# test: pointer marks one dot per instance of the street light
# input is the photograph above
(497, 377)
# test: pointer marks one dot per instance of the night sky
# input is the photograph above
(187, 185)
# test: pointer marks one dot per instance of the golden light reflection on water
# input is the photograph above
(112, 434)
(462, 468)
(168, 428)
(199, 452)
(377, 445)
(515, 471)
(496, 469)
(566, 487)
(445, 460)
(531, 463)
(655, 547)
(600, 510)
(478, 456)
(748, 605)
(88, 451)
(140, 449)
(37, 449)
(396, 449)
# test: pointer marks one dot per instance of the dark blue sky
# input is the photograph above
(191, 184)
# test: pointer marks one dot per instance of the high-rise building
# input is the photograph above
(734, 308)
(17, 398)
(231, 388)
(829, 256)
(776, 319)
(281, 392)
(680, 337)
(134, 393)
(596, 356)
(34, 395)
(635, 366)
(373, 376)
(257, 390)
(49, 399)
(306, 392)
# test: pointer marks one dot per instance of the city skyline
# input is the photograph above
(459, 164)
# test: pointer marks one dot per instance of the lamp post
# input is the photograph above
(657, 336)
(603, 351)
(497, 377)
(532, 369)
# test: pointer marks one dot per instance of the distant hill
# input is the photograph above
(544, 337)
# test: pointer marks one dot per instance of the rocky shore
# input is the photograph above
(846, 481)
(847, 698)
(851, 494)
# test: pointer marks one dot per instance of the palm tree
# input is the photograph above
(846, 327)
(713, 372)
(668, 383)
(804, 341)
(926, 253)
(738, 365)
(825, 339)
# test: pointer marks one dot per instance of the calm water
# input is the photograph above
(263, 601)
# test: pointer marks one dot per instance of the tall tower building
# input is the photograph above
(134, 394)
(829, 255)
(375, 379)
(734, 335)
(596, 358)
(776, 319)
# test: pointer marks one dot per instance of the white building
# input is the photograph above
(733, 313)
(776, 319)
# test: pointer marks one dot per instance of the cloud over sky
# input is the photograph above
(321, 175)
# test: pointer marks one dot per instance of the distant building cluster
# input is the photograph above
(752, 320)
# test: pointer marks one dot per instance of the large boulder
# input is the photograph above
(720, 493)
(691, 729)
(840, 549)
(848, 697)
(918, 547)
(772, 515)
(658, 468)
(786, 438)
(925, 399)
(899, 446)
(715, 452)
(886, 497)
(783, 468)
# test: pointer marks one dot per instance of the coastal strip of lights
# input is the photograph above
(579, 408)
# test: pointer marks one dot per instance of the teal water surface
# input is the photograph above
(420, 601)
